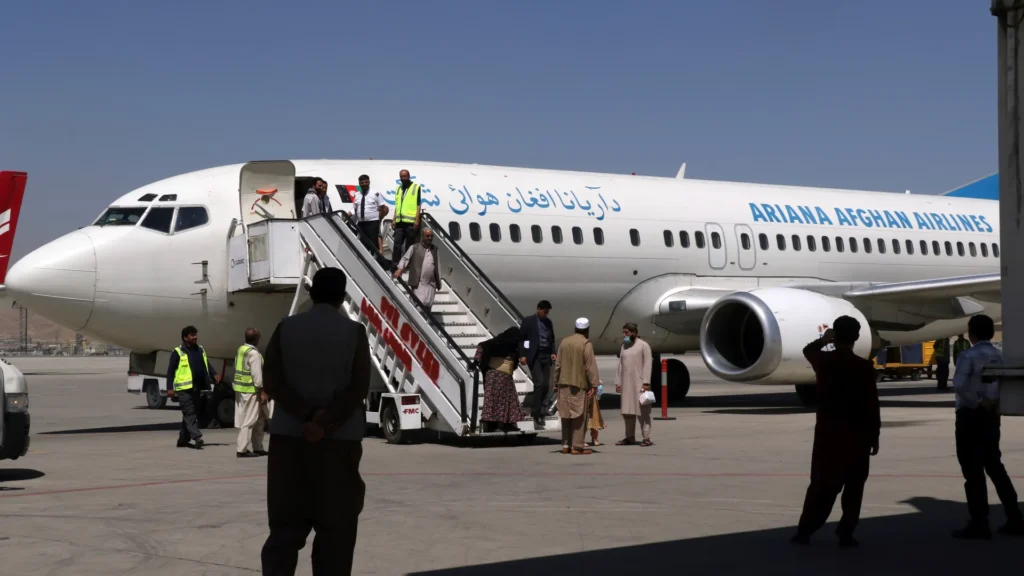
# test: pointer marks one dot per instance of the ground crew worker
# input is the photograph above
(577, 380)
(190, 373)
(941, 360)
(318, 370)
(251, 411)
(407, 216)
(961, 345)
(848, 423)
(977, 435)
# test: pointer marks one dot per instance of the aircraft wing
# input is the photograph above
(980, 286)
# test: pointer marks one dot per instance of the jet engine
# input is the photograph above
(759, 336)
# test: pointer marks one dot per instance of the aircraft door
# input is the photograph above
(266, 190)
(717, 256)
(745, 246)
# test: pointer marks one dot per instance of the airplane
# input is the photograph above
(744, 274)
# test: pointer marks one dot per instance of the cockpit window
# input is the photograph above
(191, 217)
(147, 198)
(159, 219)
(168, 197)
(117, 216)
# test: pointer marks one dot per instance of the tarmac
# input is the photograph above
(103, 490)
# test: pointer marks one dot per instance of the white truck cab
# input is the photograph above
(14, 418)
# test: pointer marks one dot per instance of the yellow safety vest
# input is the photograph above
(183, 375)
(243, 378)
(407, 203)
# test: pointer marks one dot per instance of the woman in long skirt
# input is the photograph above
(497, 358)
(594, 420)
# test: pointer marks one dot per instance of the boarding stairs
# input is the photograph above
(421, 359)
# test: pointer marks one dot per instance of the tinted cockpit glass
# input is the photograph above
(115, 216)
(191, 217)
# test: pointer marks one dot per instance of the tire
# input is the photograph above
(807, 393)
(153, 397)
(226, 412)
(390, 424)
(678, 380)
(915, 375)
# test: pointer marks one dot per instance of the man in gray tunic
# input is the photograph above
(422, 262)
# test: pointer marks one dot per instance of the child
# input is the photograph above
(594, 420)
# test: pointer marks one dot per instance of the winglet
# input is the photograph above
(986, 188)
(682, 172)
(12, 188)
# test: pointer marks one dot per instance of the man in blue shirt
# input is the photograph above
(977, 434)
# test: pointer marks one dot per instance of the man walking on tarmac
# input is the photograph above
(318, 372)
(250, 399)
(407, 216)
(940, 357)
(577, 379)
(190, 373)
(537, 351)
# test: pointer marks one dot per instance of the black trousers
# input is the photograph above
(977, 450)
(540, 373)
(402, 237)
(370, 232)
(191, 402)
(942, 374)
(312, 486)
(835, 466)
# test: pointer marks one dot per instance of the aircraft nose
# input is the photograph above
(58, 280)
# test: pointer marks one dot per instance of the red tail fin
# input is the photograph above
(12, 188)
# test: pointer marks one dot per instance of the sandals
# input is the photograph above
(625, 442)
(647, 443)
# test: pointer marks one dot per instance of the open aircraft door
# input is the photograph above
(266, 191)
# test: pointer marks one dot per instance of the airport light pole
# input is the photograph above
(1010, 17)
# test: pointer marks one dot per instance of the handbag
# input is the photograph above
(646, 398)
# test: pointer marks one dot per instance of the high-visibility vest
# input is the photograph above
(183, 375)
(406, 203)
(959, 347)
(243, 378)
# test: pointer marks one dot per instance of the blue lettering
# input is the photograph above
(770, 213)
(922, 222)
(782, 213)
(841, 218)
(876, 216)
(904, 220)
(793, 216)
(985, 222)
(852, 215)
(864, 219)
(890, 220)
(965, 222)
(756, 213)
(939, 223)
(951, 222)
(822, 216)
(807, 214)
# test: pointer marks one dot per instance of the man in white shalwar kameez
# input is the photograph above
(422, 262)
(251, 412)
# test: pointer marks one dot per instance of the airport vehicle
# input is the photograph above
(14, 418)
(908, 361)
(746, 280)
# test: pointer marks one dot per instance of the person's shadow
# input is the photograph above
(913, 543)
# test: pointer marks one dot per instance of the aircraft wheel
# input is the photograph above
(226, 412)
(807, 393)
(678, 380)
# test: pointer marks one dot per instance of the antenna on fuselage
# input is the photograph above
(682, 172)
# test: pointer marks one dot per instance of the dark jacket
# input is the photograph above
(416, 265)
(848, 412)
(201, 380)
(529, 331)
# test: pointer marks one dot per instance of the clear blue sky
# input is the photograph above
(100, 97)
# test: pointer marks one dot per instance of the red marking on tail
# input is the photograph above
(12, 188)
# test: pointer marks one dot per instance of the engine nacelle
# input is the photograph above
(759, 336)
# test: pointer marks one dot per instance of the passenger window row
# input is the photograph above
(880, 244)
(536, 233)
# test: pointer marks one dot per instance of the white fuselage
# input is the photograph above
(136, 287)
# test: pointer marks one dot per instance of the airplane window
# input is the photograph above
(867, 246)
(495, 232)
(684, 238)
(577, 235)
(853, 244)
(949, 248)
(781, 241)
(698, 239)
(455, 231)
(839, 244)
(668, 238)
(895, 246)
(598, 236)
(762, 239)
(811, 244)
(169, 198)
(796, 242)
(984, 250)
(474, 231)
(995, 250)
(745, 241)
(115, 216)
(147, 198)
(826, 244)
(159, 219)
(935, 248)
(538, 233)
(924, 247)
(881, 246)
(974, 250)
(634, 237)
(716, 240)
(960, 248)
(514, 233)
(556, 234)
(191, 217)
(910, 247)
